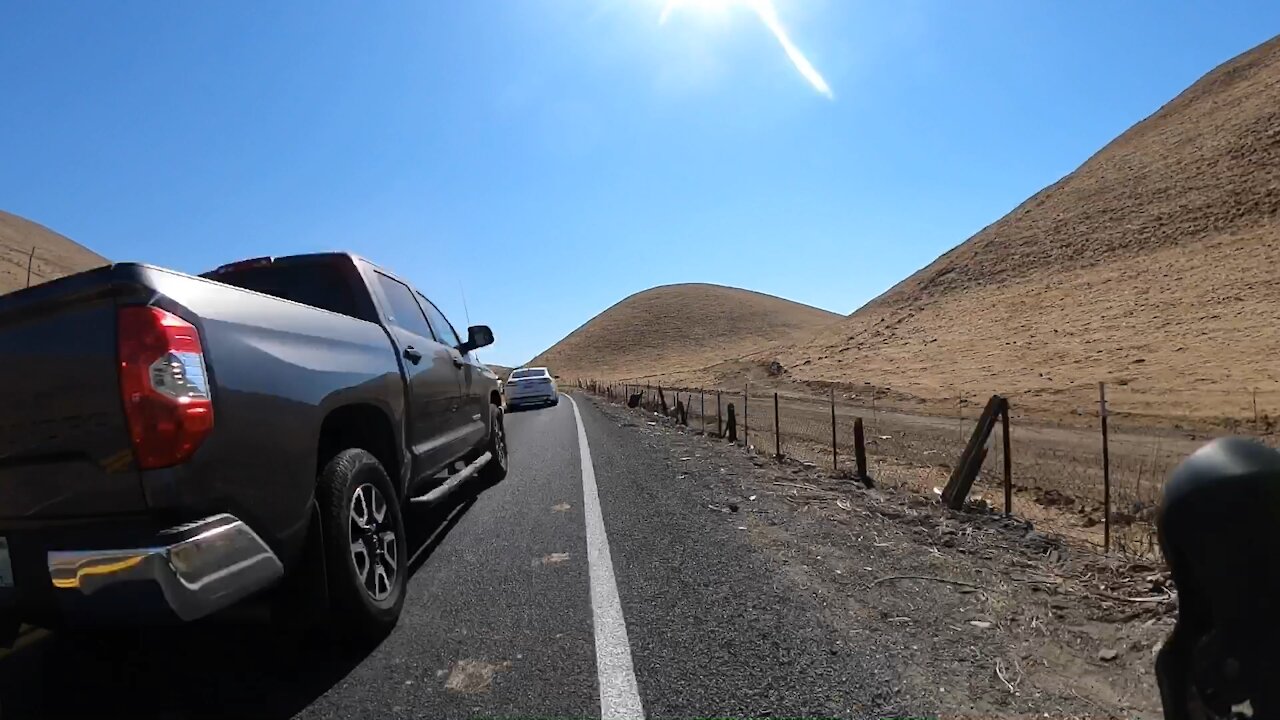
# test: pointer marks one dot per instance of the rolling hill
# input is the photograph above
(55, 255)
(1152, 266)
(502, 371)
(679, 327)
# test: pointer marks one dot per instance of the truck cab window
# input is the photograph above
(314, 284)
(403, 310)
(444, 331)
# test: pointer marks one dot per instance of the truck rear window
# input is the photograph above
(316, 284)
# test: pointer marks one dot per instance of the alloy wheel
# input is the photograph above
(374, 551)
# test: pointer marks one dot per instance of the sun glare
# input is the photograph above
(705, 6)
(768, 14)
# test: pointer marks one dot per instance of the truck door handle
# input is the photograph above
(412, 355)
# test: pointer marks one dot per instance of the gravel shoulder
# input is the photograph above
(969, 613)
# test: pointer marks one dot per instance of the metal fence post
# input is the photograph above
(31, 259)
(835, 461)
(777, 429)
(1106, 470)
(746, 393)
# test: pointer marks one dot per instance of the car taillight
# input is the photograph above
(163, 385)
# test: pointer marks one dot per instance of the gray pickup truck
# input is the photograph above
(171, 445)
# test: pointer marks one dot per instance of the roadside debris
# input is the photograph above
(1040, 615)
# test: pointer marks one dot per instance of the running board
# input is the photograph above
(454, 480)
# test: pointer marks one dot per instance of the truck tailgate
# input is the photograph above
(64, 443)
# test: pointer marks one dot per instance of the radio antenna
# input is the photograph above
(465, 311)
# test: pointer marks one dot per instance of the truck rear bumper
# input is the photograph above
(189, 572)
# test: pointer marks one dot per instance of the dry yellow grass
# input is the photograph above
(679, 327)
(55, 255)
(1151, 265)
(501, 371)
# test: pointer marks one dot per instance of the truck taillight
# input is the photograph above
(163, 385)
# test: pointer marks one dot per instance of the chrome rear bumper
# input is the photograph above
(192, 571)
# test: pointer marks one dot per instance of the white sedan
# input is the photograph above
(530, 386)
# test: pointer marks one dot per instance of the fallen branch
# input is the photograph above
(926, 577)
(1003, 679)
(1038, 580)
(1118, 598)
(1095, 705)
(806, 487)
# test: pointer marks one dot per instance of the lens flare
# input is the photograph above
(768, 14)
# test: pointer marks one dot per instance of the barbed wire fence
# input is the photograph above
(1066, 478)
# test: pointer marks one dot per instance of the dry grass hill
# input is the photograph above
(679, 327)
(501, 371)
(1151, 266)
(55, 255)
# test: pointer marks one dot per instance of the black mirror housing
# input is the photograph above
(478, 336)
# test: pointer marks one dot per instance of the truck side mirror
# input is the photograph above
(478, 336)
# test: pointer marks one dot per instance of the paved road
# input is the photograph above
(525, 601)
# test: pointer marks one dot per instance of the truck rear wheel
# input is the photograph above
(365, 545)
(496, 469)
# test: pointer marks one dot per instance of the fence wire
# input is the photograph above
(1059, 477)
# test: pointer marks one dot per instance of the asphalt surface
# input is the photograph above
(498, 620)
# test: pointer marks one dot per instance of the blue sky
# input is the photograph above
(555, 156)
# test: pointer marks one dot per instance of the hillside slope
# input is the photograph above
(55, 255)
(677, 327)
(502, 371)
(1151, 265)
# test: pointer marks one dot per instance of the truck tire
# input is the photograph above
(496, 469)
(365, 545)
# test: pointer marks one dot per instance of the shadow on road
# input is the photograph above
(233, 667)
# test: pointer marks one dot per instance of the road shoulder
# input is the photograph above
(960, 613)
(717, 628)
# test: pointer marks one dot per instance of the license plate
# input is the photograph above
(6, 567)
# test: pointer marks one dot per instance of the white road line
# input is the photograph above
(619, 696)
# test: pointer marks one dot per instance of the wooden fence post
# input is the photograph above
(860, 452)
(731, 426)
(777, 429)
(1008, 461)
(746, 393)
(835, 462)
(1106, 470)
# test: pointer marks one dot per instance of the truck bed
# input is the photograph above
(275, 368)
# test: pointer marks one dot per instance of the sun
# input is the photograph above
(768, 14)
